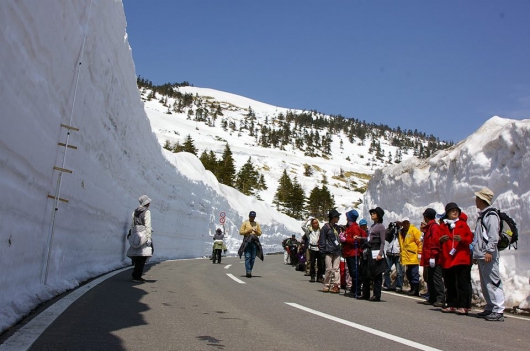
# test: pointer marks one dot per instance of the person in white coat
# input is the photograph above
(140, 238)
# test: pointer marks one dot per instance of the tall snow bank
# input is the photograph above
(44, 46)
(497, 156)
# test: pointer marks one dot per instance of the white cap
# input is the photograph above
(405, 219)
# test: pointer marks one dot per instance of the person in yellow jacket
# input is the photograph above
(411, 245)
(251, 230)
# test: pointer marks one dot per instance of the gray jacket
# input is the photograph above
(486, 234)
(141, 221)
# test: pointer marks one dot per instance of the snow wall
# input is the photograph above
(70, 63)
(496, 156)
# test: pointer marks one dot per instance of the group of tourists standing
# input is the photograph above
(444, 247)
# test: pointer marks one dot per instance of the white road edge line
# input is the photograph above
(228, 266)
(365, 329)
(23, 338)
(473, 310)
(231, 276)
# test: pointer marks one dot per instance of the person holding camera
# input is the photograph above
(393, 258)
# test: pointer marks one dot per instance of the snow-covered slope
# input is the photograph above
(70, 63)
(497, 156)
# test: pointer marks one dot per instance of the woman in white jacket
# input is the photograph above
(140, 238)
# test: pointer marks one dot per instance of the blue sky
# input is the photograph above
(442, 67)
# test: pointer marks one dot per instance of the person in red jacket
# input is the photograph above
(351, 251)
(430, 259)
(456, 259)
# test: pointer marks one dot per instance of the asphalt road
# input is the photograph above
(197, 305)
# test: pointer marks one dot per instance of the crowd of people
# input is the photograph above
(443, 245)
(446, 248)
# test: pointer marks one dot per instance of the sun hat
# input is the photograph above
(429, 213)
(486, 195)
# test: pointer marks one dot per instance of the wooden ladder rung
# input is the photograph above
(60, 199)
(70, 146)
(69, 127)
(62, 169)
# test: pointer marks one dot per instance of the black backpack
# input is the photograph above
(508, 233)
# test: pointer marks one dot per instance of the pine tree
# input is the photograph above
(247, 178)
(282, 193)
(296, 200)
(319, 202)
(226, 170)
(188, 146)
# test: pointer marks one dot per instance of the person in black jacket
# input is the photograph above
(374, 262)
(329, 246)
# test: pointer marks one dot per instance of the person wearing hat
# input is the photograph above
(351, 251)
(374, 261)
(329, 245)
(410, 243)
(363, 224)
(140, 238)
(430, 259)
(251, 231)
(456, 259)
(486, 255)
(218, 245)
(293, 245)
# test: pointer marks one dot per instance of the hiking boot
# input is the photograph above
(138, 280)
(325, 288)
(438, 304)
(312, 280)
(375, 299)
(483, 314)
(362, 297)
(495, 317)
(249, 275)
(386, 288)
(426, 302)
(399, 290)
(335, 289)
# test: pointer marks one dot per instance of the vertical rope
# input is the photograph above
(44, 278)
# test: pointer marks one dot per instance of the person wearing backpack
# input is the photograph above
(456, 259)
(140, 238)
(218, 245)
(329, 245)
(486, 256)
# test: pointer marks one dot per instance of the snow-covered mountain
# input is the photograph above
(496, 156)
(347, 169)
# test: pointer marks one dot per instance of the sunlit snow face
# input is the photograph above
(453, 214)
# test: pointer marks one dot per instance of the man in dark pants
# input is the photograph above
(430, 259)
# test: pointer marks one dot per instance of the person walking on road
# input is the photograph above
(140, 238)
(486, 255)
(218, 245)
(251, 246)
(329, 245)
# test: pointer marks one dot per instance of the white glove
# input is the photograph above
(432, 263)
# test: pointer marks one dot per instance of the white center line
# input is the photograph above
(235, 279)
(365, 329)
(228, 266)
